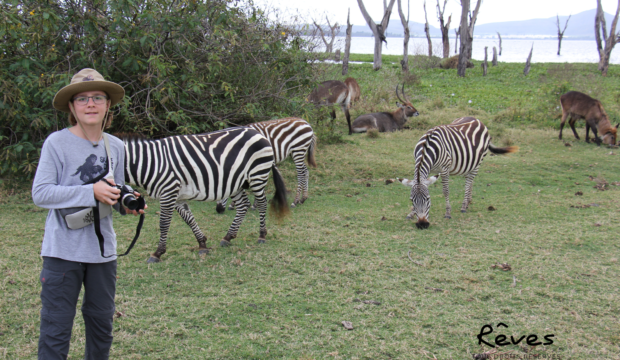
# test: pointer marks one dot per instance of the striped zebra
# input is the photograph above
(288, 136)
(205, 167)
(454, 149)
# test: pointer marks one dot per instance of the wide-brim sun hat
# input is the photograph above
(87, 80)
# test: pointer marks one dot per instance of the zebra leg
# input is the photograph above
(186, 214)
(261, 200)
(302, 178)
(445, 182)
(221, 206)
(165, 216)
(469, 184)
(242, 203)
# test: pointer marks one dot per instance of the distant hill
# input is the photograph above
(580, 26)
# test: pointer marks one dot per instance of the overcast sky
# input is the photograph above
(490, 10)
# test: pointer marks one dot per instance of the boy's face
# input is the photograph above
(90, 113)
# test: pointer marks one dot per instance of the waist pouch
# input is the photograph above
(79, 217)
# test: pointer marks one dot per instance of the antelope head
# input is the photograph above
(405, 104)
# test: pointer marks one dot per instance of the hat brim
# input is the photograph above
(64, 95)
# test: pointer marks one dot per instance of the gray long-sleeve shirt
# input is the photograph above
(67, 162)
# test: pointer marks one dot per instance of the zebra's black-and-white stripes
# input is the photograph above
(454, 149)
(289, 137)
(205, 167)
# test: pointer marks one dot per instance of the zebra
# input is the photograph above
(204, 167)
(454, 149)
(289, 136)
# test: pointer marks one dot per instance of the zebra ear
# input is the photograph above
(406, 182)
(430, 181)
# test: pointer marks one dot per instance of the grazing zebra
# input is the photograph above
(288, 136)
(205, 167)
(454, 149)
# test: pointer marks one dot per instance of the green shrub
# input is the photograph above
(187, 67)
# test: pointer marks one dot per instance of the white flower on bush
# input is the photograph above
(469, 101)
(452, 94)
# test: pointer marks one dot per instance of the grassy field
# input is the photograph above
(348, 254)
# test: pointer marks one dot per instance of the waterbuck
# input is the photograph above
(581, 106)
(354, 89)
(330, 93)
(387, 121)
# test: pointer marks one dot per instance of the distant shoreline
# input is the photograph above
(504, 37)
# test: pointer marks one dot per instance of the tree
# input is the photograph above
(457, 32)
(467, 34)
(347, 46)
(526, 69)
(428, 34)
(561, 33)
(333, 30)
(604, 52)
(405, 61)
(378, 30)
(500, 43)
(445, 28)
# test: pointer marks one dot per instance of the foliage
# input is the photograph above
(186, 66)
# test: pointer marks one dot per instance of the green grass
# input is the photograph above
(350, 242)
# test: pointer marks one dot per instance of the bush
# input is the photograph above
(187, 67)
(453, 62)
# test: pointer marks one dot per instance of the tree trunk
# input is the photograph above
(526, 70)
(445, 29)
(561, 32)
(610, 39)
(494, 61)
(467, 34)
(378, 30)
(428, 34)
(347, 46)
(485, 65)
(500, 44)
(405, 61)
(456, 40)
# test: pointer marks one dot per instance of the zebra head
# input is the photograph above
(421, 200)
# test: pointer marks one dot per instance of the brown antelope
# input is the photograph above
(581, 106)
(330, 93)
(387, 121)
(354, 89)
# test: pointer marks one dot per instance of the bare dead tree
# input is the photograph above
(347, 46)
(405, 61)
(428, 34)
(445, 28)
(333, 29)
(500, 43)
(561, 33)
(610, 39)
(494, 61)
(467, 34)
(378, 30)
(485, 64)
(456, 39)
(526, 70)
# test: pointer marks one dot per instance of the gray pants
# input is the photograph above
(61, 282)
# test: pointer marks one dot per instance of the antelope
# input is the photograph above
(581, 106)
(387, 121)
(354, 89)
(330, 93)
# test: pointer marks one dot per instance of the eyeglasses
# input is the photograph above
(97, 99)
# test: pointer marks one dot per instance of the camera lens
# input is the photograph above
(130, 202)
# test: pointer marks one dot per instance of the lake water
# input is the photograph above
(513, 50)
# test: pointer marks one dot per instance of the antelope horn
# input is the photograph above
(402, 90)
(398, 96)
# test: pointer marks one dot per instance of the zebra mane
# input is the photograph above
(130, 136)
(419, 165)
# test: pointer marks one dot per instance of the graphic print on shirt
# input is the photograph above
(90, 170)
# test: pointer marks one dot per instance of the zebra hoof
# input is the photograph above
(203, 251)
(261, 241)
(463, 211)
(152, 260)
(225, 243)
(293, 205)
(448, 217)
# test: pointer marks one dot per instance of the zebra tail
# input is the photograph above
(311, 159)
(279, 204)
(501, 151)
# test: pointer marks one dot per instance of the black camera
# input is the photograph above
(128, 199)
